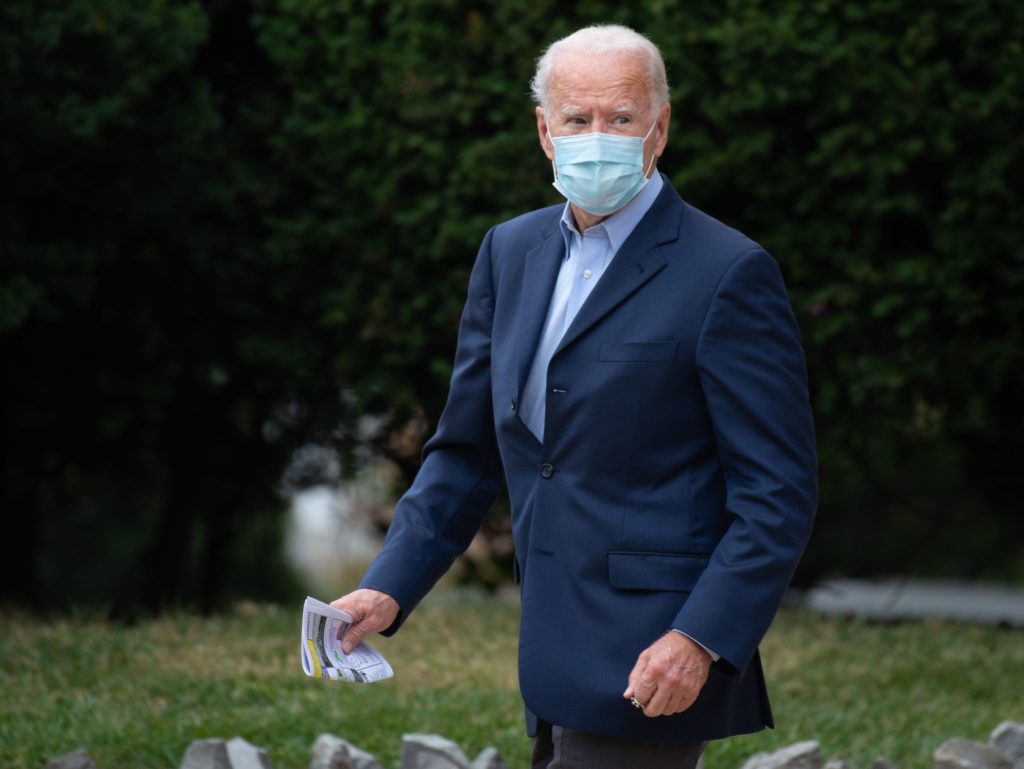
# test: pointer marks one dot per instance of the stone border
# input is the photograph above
(1004, 750)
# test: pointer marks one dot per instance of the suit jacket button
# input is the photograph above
(546, 470)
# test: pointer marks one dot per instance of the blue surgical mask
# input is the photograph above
(599, 172)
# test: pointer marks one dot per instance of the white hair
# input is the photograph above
(603, 39)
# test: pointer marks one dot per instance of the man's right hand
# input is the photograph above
(371, 610)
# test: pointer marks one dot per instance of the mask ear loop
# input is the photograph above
(554, 168)
(650, 166)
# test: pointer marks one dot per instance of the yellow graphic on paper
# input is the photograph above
(316, 659)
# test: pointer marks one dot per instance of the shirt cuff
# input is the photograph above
(714, 657)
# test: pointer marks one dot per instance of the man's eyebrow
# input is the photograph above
(571, 110)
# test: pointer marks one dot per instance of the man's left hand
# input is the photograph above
(669, 675)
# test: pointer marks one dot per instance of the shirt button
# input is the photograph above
(587, 274)
(546, 470)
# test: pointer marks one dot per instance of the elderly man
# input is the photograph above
(632, 367)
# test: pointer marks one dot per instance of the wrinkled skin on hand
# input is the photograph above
(668, 675)
(371, 610)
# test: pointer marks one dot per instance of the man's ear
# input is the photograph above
(542, 134)
(664, 118)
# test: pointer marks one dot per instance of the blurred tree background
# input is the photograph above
(233, 228)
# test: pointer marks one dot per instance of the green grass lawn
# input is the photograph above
(137, 696)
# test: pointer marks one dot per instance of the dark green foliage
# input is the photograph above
(141, 352)
(876, 150)
(232, 228)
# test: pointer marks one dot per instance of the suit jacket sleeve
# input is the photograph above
(460, 475)
(752, 371)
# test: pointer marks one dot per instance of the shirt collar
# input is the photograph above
(619, 225)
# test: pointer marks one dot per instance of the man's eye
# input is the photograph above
(622, 120)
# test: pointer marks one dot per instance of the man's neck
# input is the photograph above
(584, 219)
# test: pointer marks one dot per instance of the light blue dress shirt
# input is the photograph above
(587, 255)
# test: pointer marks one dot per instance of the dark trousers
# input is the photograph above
(556, 747)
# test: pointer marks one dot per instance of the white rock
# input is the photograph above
(244, 755)
(429, 751)
(801, 755)
(206, 754)
(361, 759)
(1008, 739)
(489, 758)
(966, 754)
(330, 752)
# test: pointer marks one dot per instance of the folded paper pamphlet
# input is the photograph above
(323, 627)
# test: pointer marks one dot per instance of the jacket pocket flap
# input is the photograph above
(655, 571)
(628, 352)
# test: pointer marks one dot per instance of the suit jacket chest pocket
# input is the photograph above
(638, 352)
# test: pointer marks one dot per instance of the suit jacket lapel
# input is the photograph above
(638, 260)
(540, 271)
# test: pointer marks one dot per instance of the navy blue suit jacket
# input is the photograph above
(676, 484)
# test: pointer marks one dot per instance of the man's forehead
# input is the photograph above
(618, 78)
